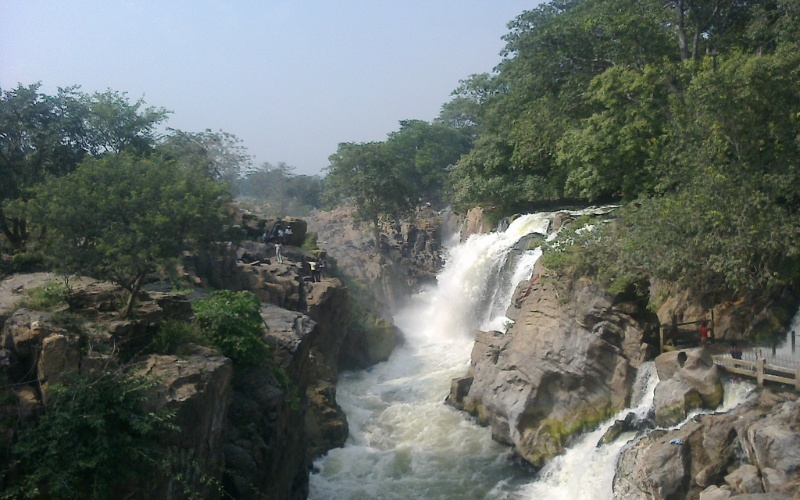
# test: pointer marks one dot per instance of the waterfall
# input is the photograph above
(405, 443)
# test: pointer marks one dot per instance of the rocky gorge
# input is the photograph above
(565, 364)
(568, 362)
(249, 432)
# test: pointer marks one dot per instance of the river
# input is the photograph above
(405, 443)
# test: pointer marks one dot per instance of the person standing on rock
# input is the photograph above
(322, 266)
(280, 234)
(703, 333)
(278, 256)
(288, 234)
(312, 265)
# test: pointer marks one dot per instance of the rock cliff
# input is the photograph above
(409, 255)
(751, 452)
(567, 363)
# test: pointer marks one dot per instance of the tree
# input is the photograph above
(423, 152)
(121, 217)
(368, 176)
(219, 155)
(45, 136)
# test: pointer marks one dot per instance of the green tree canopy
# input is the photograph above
(367, 176)
(121, 217)
(43, 136)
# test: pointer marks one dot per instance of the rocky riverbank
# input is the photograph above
(569, 360)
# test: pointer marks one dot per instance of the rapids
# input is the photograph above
(405, 443)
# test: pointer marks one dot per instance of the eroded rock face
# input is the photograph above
(566, 364)
(717, 456)
(409, 254)
(735, 318)
(197, 388)
(267, 441)
(688, 379)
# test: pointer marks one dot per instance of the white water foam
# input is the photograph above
(405, 443)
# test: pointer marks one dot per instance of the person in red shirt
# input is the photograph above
(703, 333)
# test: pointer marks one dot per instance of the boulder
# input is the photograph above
(369, 342)
(60, 356)
(688, 379)
(774, 442)
(733, 454)
(653, 469)
(715, 493)
(25, 330)
(745, 479)
(566, 364)
(618, 427)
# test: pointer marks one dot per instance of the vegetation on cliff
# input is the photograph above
(684, 111)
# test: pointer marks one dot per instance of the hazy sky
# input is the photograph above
(292, 79)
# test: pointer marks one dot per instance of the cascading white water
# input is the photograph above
(405, 443)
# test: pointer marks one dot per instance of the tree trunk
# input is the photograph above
(137, 285)
(680, 29)
(12, 235)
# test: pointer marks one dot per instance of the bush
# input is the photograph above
(232, 322)
(94, 438)
(172, 334)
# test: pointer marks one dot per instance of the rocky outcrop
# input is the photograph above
(409, 255)
(688, 379)
(735, 318)
(266, 448)
(370, 340)
(750, 452)
(475, 222)
(327, 304)
(567, 363)
(196, 387)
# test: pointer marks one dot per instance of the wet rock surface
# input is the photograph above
(688, 379)
(750, 452)
(566, 364)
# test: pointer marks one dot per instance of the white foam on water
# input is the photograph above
(405, 443)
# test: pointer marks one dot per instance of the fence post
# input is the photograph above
(760, 372)
(797, 378)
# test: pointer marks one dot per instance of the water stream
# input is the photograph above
(405, 443)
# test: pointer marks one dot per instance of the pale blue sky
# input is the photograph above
(292, 79)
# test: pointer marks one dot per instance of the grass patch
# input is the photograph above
(45, 298)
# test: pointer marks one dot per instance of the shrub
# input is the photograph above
(94, 438)
(172, 334)
(232, 322)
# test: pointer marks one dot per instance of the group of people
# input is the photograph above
(279, 234)
(318, 269)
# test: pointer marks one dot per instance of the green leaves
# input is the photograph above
(121, 217)
(94, 439)
(232, 322)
